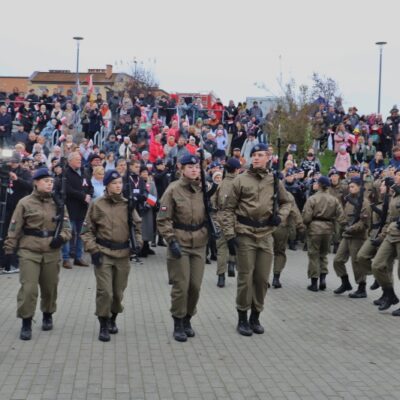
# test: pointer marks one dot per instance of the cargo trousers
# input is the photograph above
(382, 264)
(318, 249)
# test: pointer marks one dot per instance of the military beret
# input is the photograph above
(324, 181)
(215, 164)
(333, 171)
(41, 173)
(159, 161)
(233, 163)
(219, 153)
(93, 156)
(258, 147)
(356, 180)
(15, 158)
(110, 175)
(378, 172)
(353, 168)
(189, 159)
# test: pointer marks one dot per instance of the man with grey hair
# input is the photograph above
(79, 191)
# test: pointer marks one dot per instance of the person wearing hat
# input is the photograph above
(389, 250)
(354, 235)
(257, 203)
(379, 210)
(31, 234)
(320, 212)
(20, 185)
(338, 190)
(182, 223)
(94, 161)
(225, 261)
(105, 234)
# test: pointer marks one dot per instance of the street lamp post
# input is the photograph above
(78, 39)
(380, 44)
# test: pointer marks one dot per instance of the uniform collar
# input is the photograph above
(42, 196)
(260, 172)
(190, 183)
(114, 198)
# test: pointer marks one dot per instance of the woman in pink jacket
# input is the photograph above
(342, 161)
(340, 137)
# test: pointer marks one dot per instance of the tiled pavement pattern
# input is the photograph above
(316, 346)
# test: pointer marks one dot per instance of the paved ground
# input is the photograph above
(316, 346)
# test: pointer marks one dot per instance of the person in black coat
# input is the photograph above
(95, 121)
(20, 185)
(79, 191)
(5, 126)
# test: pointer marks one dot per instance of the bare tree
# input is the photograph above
(143, 79)
(325, 87)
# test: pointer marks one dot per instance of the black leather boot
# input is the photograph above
(254, 322)
(187, 326)
(221, 280)
(112, 326)
(335, 247)
(345, 286)
(47, 322)
(231, 269)
(322, 281)
(243, 324)
(275, 282)
(375, 285)
(389, 299)
(314, 285)
(26, 330)
(104, 334)
(379, 301)
(360, 293)
(292, 245)
(161, 242)
(396, 313)
(179, 331)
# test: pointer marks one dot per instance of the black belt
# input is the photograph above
(112, 245)
(252, 222)
(38, 233)
(189, 228)
(322, 219)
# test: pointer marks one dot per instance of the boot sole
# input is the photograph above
(243, 333)
(181, 340)
(104, 339)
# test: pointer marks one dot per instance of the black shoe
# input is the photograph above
(153, 244)
(47, 323)
(335, 248)
(150, 252)
(314, 285)
(112, 326)
(275, 282)
(396, 313)
(360, 293)
(231, 269)
(213, 257)
(170, 281)
(345, 286)
(221, 280)
(379, 301)
(389, 299)
(179, 331)
(187, 326)
(208, 261)
(254, 322)
(375, 285)
(292, 245)
(26, 330)
(104, 334)
(322, 282)
(305, 247)
(243, 326)
(161, 242)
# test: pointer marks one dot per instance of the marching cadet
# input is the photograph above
(105, 234)
(281, 236)
(319, 215)
(257, 204)
(388, 250)
(232, 168)
(32, 232)
(182, 223)
(354, 236)
(336, 189)
(379, 213)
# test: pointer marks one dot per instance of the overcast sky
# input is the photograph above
(218, 45)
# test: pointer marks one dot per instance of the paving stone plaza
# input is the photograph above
(316, 345)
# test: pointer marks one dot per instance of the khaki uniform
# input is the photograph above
(105, 228)
(182, 218)
(353, 238)
(382, 263)
(281, 236)
(320, 213)
(246, 214)
(39, 263)
(337, 191)
(220, 197)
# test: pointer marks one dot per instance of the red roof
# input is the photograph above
(70, 77)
